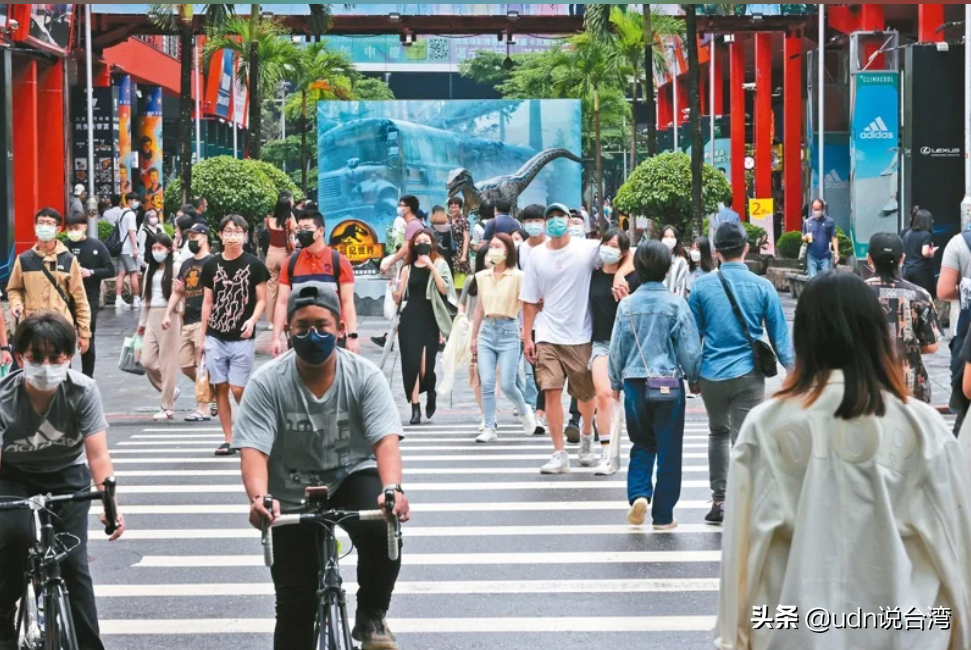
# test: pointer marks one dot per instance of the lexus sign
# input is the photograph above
(941, 152)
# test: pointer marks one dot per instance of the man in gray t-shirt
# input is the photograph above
(319, 416)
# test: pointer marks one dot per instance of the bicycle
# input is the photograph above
(331, 627)
(44, 620)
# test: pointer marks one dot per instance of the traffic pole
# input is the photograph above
(821, 96)
(92, 223)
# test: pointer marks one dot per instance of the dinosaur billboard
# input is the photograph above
(372, 153)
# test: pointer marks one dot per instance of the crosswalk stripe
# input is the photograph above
(525, 506)
(408, 471)
(433, 588)
(479, 626)
(237, 488)
(452, 559)
(405, 457)
(431, 531)
(407, 445)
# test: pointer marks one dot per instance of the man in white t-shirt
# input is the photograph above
(558, 277)
(128, 262)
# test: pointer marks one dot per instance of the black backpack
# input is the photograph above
(115, 241)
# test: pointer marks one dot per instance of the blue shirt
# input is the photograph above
(823, 231)
(669, 343)
(503, 223)
(726, 352)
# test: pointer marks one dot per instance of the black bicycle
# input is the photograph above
(44, 620)
(332, 627)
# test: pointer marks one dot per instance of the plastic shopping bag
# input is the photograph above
(203, 388)
(616, 430)
(128, 361)
(390, 306)
(457, 353)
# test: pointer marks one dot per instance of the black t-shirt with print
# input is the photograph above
(233, 284)
(195, 292)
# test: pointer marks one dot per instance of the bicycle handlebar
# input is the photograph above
(106, 496)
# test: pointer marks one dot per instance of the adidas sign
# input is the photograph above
(877, 130)
(832, 181)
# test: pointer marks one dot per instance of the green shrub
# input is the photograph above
(756, 237)
(660, 189)
(845, 243)
(789, 245)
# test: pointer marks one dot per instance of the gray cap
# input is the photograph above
(314, 294)
(730, 236)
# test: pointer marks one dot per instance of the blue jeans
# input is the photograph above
(814, 266)
(657, 431)
(531, 391)
(499, 347)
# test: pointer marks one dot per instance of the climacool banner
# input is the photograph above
(149, 141)
(874, 157)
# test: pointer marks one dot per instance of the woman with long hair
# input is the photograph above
(280, 226)
(496, 334)
(614, 246)
(920, 251)
(700, 260)
(654, 350)
(426, 287)
(677, 279)
(843, 490)
(160, 349)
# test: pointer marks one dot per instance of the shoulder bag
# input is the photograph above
(765, 361)
(656, 389)
(66, 260)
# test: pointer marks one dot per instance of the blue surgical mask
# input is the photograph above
(159, 256)
(557, 226)
(534, 229)
(316, 347)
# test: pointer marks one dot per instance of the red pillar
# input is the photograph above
(872, 20)
(664, 113)
(737, 101)
(763, 115)
(51, 140)
(682, 99)
(929, 18)
(25, 137)
(792, 164)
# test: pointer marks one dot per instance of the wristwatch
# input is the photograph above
(354, 336)
(6, 348)
(394, 486)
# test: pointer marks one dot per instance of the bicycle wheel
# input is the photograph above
(333, 634)
(29, 634)
(58, 621)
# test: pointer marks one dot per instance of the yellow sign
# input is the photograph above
(761, 208)
(357, 241)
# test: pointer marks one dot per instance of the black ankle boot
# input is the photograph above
(431, 404)
(416, 413)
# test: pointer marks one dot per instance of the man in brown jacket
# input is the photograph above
(60, 289)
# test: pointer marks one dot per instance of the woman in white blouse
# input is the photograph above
(677, 279)
(845, 495)
(160, 351)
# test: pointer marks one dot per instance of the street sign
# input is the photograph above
(761, 213)
(761, 208)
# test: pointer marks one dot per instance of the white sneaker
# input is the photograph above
(666, 527)
(638, 512)
(516, 413)
(608, 466)
(529, 422)
(488, 435)
(163, 416)
(541, 426)
(136, 303)
(120, 304)
(588, 455)
(482, 425)
(558, 464)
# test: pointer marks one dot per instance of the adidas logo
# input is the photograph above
(877, 130)
(833, 181)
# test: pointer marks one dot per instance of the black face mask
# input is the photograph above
(306, 238)
(423, 249)
(194, 247)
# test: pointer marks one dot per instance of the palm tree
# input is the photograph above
(179, 18)
(267, 56)
(629, 44)
(318, 74)
(694, 104)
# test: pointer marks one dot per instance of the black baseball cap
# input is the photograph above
(886, 247)
(199, 228)
(730, 236)
(313, 294)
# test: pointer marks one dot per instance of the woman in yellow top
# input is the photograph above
(496, 333)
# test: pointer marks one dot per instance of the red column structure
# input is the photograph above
(872, 20)
(763, 115)
(25, 145)
(792, 163)
(929, 18)
(51, 141)
(737, 101)
(682, 99)
(665, 114)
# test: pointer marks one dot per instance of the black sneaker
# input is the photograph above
(572, 433)
(373, 634)
(717, 515)
(379, 341)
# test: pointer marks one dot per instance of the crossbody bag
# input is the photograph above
(656, 389)
(765, 360)
(68, 300)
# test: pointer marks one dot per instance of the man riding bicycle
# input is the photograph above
(319, 416)
(51, 419)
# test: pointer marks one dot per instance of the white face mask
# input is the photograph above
(45, 233)
(44, 377)
(817, 213)
(135, 205)
(578, 231)
(153, 221)
(401, 212)
(159, 256)
(609, 255)
(496, 256)
(236, 239)
(696, 256)
(76, 235)
(670, 242)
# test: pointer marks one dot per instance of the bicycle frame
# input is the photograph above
(332, 614)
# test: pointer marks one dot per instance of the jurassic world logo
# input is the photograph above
(357, 241)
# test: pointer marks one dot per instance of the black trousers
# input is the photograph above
(15, 540)
(296, 565)
(88, 358)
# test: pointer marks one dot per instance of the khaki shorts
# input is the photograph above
(190, 343)
(555, 364)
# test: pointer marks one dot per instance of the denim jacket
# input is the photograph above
(667, 333)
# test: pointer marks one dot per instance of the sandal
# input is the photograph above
(197, 417)
(225, 450)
